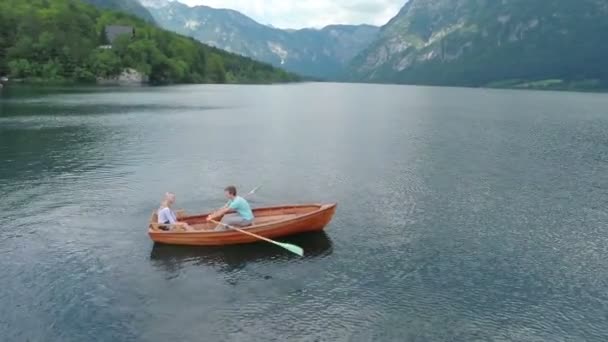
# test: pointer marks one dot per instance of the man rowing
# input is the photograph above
(243, 216)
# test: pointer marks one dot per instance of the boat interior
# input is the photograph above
(261, 216)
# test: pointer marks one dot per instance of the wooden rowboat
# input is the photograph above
(269, 222)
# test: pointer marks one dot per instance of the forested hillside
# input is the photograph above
(60, 40)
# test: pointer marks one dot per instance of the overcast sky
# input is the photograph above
(310, 13)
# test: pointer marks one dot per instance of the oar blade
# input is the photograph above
(292, 248)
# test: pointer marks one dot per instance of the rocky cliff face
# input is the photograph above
(481, 42)
(128, 76)
(321, 53)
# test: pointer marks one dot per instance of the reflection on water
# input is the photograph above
(234, 257)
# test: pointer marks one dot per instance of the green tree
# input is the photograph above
(103, 38)
(121, 45)
(20, 68)
(105, 63)
(217, 72)
(51, 70)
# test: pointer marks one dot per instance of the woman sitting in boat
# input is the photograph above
(166, 216)
(243, 216)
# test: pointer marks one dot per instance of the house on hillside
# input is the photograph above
(112, 32)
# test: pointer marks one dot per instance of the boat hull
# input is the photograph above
(292, 219)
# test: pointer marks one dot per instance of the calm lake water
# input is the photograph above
(464, 214)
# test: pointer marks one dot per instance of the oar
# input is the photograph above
(292, 248)
(253, 191)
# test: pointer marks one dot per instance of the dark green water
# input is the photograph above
(464, 215)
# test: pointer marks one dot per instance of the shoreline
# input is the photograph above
(105, 83)
(38, 83)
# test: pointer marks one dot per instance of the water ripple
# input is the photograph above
(457, 220)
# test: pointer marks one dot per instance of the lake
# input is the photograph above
(463, 214)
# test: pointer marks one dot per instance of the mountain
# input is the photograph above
(320, 53)
(127, 6)
(66, 41)
(515, 43)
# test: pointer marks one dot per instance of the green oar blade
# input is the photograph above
(292, 248)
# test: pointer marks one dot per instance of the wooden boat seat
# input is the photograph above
(271, 218)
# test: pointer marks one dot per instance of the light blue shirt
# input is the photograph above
(166, 216)
(240, 205)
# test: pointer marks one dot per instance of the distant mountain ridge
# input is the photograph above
(512, 43)
(549, 44)
(323, 53)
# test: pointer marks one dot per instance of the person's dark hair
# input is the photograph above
(231, 190)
